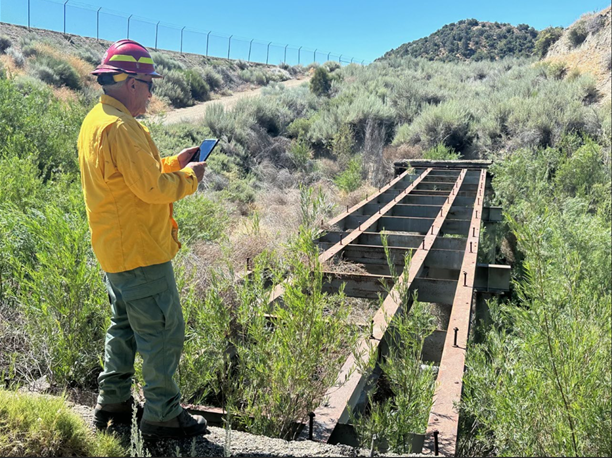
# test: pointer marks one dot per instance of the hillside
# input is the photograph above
(471, 40)
(64, 62)
(584, 47)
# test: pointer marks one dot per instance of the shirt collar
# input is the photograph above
(113, 102)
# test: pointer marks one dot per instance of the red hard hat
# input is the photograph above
(127, 56)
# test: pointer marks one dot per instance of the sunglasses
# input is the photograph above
(148, 83)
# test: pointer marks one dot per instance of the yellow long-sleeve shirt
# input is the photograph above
(128, 189)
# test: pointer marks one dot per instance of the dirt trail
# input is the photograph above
(195, 113)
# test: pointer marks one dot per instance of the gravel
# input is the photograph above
(237, 443)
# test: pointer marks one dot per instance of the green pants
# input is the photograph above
(146, 317)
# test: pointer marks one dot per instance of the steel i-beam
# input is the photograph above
(444, 418)
(347, 389)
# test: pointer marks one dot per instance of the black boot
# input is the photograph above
(185, 425)
(106, 415)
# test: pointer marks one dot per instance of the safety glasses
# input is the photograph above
(148, 83)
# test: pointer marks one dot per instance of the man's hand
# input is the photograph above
(198, 168)
(185, 156)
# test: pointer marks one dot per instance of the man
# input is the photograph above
(129, 191)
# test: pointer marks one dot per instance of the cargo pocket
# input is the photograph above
(145, 306)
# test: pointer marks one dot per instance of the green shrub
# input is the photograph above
(300, 154)
(29, 50)
(441, 152)
(448, 123)
(351, 178)
(320, 84)
(166, 62)
(212, 78)
(577, 33)
(54, 71)
(5, 43)
(255, 76)
(270, 115)
(233, 125)
(64, 298)
(34, 425)
(199, 88)
(89, 55)
(18, 57)
(408, 385)
(558, 318)
(343, 144)
(299, 128)
(546, 38)
(175, 88)
(35, 124)
(582, 171)
(554, 70)
(331, 66)
(201, 219)
(241, 191)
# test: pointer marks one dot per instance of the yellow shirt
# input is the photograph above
(128, 189)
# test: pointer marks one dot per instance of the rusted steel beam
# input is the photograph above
(408, 210)
(492, 278)
(364, 286)
(444, 417)
(349, 384)
(334, 250)
(442, 165)
(372, 238)
(367, 200)
(360, 226)
(435, 290)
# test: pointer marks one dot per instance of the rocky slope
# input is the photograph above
(585, 47)
(470, 39)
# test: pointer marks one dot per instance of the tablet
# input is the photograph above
(205, 149)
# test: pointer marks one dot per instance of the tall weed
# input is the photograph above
(540, 383)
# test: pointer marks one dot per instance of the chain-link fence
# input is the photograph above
(75, 18)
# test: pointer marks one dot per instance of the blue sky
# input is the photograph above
(358, 30)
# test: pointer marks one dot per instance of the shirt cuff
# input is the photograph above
(171, 164)
(194, 180)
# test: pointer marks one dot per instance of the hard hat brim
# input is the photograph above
(109, 69)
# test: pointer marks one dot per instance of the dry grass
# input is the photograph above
(12, 70)
(339, 265)
(357, 196)
(157, 106)
(398, 153)
(64, 94)
(83, 68)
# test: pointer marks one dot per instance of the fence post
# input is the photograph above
(65, 16)
(28, 14)
(182, 39)
(156, 29)
(352, 59)
(362, 62)
(229, 45)
(328, 56)
(300, 48)
(250, 45)
(268, 53)
(128, 29)
(314, 56)
(285, 57)
(340, 59)
(207, 43)
(98, 24)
